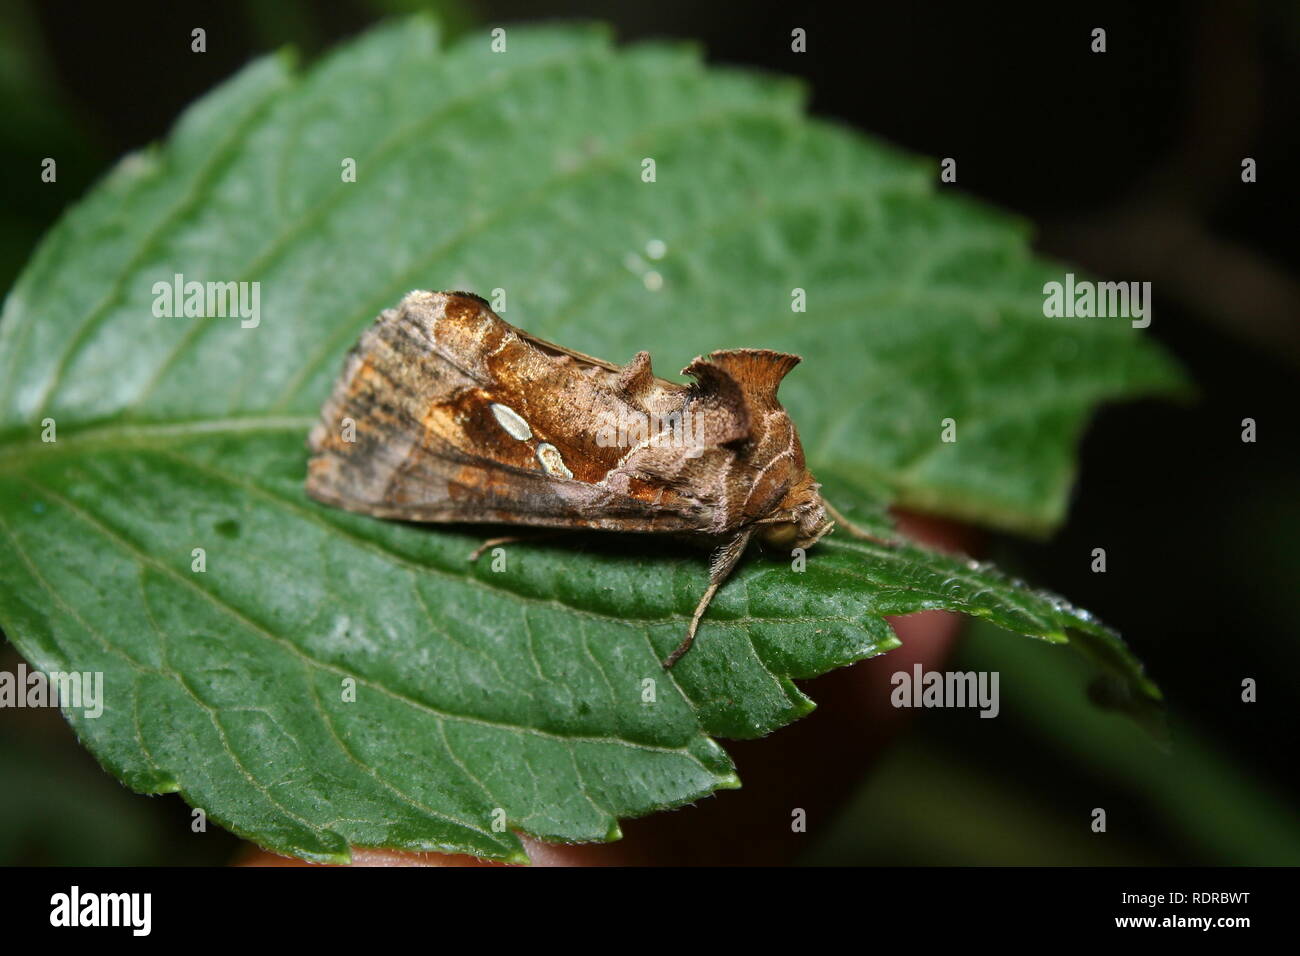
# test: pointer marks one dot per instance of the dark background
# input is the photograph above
(1128, 164)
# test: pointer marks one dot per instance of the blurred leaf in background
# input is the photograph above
(38, 123)
(1019, 789)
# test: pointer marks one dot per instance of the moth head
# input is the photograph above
(800, 522)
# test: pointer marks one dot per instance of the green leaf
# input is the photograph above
(517, 694)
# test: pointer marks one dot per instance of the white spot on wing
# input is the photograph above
(552, 462)
(510, 420)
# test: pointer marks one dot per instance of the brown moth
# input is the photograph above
(446, 413)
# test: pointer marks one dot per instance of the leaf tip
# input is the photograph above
(730, 781)
(287, 58)
(1138, 698)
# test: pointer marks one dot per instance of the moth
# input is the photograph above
(444, 412)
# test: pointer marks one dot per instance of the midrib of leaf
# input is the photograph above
(143, 438)
(21, 450)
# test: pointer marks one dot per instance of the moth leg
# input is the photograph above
(492, 543)
(724, 562)
(511, 539)
(855, 531)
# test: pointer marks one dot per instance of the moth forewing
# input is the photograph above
(446, 413)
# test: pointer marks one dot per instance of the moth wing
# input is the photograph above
(403, 473)
(577, 356)
(415, 430)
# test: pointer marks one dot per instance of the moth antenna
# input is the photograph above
(724, 562)
(856, 531)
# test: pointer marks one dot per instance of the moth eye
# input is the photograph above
(511, 421)
(552, 461)
(780, 535)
